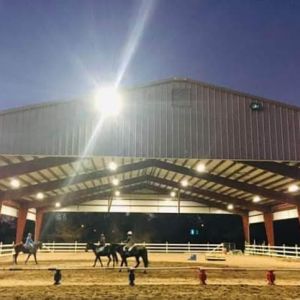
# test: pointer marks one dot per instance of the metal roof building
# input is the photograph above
(60, 153)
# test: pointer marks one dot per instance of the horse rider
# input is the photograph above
(129, 243)
(29, 242)
(102, 243)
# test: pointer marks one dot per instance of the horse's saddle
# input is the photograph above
(100, 249)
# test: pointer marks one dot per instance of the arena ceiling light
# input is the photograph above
(115, 181)
(40, 196)
(117, 193)
(184, 183)
(230, 206)
(112, 166)
(293, 188)
(256, 199)
(15, 183)
(57, 204)
(200, 168)
(108, 101)
(173, 194)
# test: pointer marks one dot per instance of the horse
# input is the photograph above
(108, 250)
(30, 251)
(136, 251)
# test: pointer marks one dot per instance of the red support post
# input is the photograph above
(38, 223)
(246, 228)
(268, 219)
(21, 222)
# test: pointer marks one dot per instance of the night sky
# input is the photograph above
(52, 50)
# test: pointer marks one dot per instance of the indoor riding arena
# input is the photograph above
(173, 147)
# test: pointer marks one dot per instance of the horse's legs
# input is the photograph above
(100, 261)
(109, 260)
(16, 257)
(34, 255)
(27, 258)
(137, 261)
(95, 261)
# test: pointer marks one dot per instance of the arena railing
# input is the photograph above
(276, 251)
(8, 249)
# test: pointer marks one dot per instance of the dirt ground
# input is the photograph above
(181, 283)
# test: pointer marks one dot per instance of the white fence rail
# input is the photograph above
(54, 247)
(278, 251)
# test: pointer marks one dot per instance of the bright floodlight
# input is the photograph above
(200, 168)
(184, 183)
(230, 206)
(112, 166)
(293, 188)
(57, 204)
(173, 194)
(117, 193)
(40, 196)
(115, 181)
(108, 101)
(15, 183)
(256, 199)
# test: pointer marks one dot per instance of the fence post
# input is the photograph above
(283, 249)
(53, 246)
(166, 247)
(75, 246)
(189, 247)
(0, 248)
(269, 249)
(13, 248)
(296, 250)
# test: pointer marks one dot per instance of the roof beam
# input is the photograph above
(33, 165)
(242, 186)
(277, 168)
(56, 184)
(210, 194)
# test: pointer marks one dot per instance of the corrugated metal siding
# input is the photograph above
(216, 124)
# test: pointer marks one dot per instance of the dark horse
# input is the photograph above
(32, 251)
(137, 252)
(108, 250)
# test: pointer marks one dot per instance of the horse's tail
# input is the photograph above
(145, 257)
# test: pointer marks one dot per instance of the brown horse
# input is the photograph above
(30, 251)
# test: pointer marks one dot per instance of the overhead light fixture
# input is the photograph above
(40, 196)
(108, 101)
(15, 183)
(117, 193)
(115, 181)
(57, 204)
(201, 168)
(293, 188)
(184, 183)
(256, 199)
(82, 226)
(256, 106)
(230, 206)
(112, 166)
(173, 194)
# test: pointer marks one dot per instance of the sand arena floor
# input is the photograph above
(181, 283)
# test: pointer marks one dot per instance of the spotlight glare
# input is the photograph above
(108, 101)
(15, 183)
(184, 183)
(112, 166)
(230, 206)
(201, 168)
(115, 181)
(293, 188)
(40, 196)
(256, 199)
(117, 193)
(173, 194)
(57, 204)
